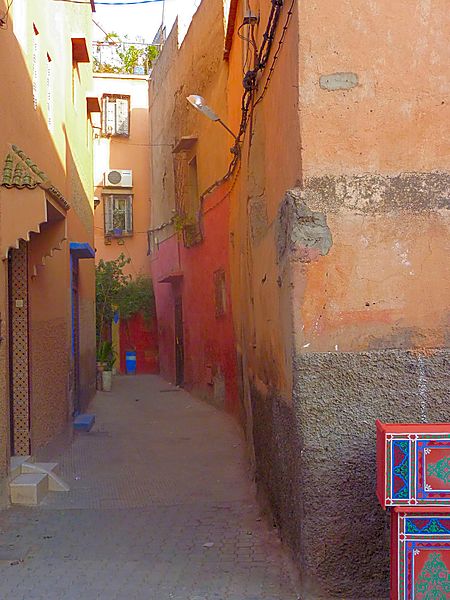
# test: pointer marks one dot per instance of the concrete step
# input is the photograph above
(28, 489)
(55, 483)
(15, 465)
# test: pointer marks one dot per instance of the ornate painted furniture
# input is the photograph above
(413, 479)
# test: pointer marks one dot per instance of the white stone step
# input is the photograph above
(15, 465)
(38, 467)
(55, 483)
(28, 489)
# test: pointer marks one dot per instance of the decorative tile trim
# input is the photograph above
(20, 172)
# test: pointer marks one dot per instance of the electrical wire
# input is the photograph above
(250, 83)
(262, 56)
(100, 27)
(275, 57)
(4, 19)
(250, 42)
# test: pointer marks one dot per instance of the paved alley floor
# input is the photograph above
(160, 508)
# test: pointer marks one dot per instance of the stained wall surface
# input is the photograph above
(340, 229)
(182, 270)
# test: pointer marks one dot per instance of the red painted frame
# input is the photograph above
(383, 429)
(396, 511)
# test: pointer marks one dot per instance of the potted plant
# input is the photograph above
(106, 358)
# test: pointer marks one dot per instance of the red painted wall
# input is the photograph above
(142, 336)
(165, 261)
(209, 342)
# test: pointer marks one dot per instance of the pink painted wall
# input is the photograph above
(210, 368)
(165, 261)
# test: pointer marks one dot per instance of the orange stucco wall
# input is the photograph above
(385, 273)
(131, 153)
(179, 72)
(57, 136)
(271, 166)
(210, 368)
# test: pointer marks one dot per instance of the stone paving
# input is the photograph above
(161, 507)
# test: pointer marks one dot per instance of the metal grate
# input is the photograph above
(20, 404)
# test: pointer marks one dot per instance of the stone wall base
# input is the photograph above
(315, 460)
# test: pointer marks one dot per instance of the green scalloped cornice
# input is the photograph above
(20, 172)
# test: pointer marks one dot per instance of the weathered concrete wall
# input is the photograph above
(316, 460)
(341, 302)
(196, 67)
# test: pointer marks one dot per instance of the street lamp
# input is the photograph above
(199, 103)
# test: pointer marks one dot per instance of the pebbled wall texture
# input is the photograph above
(315, 459)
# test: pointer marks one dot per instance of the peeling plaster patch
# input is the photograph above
(371, 194)
(257, 210)
(338, 81)
(402, 254)
(302, 233)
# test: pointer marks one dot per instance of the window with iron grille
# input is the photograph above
(118, 214)
(116, 115)
(220, 292)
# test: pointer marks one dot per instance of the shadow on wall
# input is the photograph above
(81, 228)
(49, 354)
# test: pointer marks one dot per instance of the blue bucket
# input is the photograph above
(130, 362)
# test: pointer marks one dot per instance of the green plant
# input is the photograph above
(109, 282)
(106, 355)
(125, 56)
(137, 296)
(116, 291)
(181, 221)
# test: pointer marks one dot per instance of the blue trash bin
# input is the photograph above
(130, 362)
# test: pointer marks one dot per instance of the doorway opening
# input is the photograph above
(179, 342)
(75, 336)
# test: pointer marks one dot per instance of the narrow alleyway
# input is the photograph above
(160, 508)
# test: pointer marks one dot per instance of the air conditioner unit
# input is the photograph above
(118, 178)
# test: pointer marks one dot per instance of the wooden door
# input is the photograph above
(179, 341)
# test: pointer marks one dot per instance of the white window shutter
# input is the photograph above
(110, 117)
(122, 116)
(129, 215)
(109, 213)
